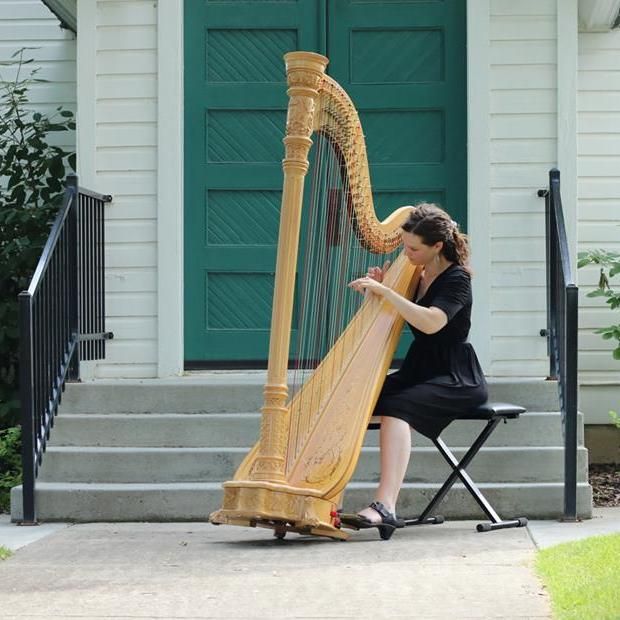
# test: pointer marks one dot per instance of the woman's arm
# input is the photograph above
(427, 320)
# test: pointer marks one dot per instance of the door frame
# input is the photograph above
(170, 180)
(170, 194)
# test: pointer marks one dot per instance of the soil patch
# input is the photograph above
(605, 481)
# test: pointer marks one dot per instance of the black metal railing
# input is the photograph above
(561, 332)
(61, 322)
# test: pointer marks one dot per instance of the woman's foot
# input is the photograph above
(373, 515)
(378, 516)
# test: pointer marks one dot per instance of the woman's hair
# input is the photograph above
(433, 224)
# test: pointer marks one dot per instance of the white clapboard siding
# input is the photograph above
(29, 23)
(598, 107)
(126, 167)
(124, 280)
(523, 132)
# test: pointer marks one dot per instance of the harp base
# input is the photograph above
(283, 509)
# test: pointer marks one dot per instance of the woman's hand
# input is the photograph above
(367, 283)
(378, 273)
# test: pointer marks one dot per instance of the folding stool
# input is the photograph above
(494, 413)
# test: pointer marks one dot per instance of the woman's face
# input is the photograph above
(417, 251)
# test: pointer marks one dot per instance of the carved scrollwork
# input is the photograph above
(306, 79)
(299, 118)
(297, 153)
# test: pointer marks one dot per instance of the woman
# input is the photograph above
(440, 378)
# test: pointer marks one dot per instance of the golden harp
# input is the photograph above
(295, 476)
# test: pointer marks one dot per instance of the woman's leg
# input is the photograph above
(395, 446)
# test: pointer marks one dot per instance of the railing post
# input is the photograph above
(554, 266)
(547, 333)
(562, 326)
(74, 253)
(26, 395)
(570, 423)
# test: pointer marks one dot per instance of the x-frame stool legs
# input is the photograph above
(459, 471)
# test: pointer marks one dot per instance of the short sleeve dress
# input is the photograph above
(440, 378)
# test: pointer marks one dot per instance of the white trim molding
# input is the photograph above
(567, 61)
(478, 172)
(86, 92)
(86, 69)
(170, 188)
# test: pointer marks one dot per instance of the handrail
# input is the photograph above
(61, 318)
(561, 332)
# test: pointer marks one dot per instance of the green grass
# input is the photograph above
(5, 553)
(583, 578)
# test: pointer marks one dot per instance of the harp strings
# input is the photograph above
(331, 256)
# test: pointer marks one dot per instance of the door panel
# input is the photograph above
(403, 64)
(235, 112)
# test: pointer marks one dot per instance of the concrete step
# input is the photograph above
(195, 501)
(542, 428)
(223, 392)
(151, 465)
(159, 449)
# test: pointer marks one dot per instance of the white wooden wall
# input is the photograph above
(123, 129)
(29, 23)
(118, 154)
(523, 134)
(599, 191)
(598, 213)
(119, 134)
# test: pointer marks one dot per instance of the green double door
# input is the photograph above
(402, 63)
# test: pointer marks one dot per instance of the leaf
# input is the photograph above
(57, 168)
(599, 293)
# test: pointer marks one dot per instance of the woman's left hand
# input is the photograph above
(361, 285)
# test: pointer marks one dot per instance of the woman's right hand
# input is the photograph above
(378, 273)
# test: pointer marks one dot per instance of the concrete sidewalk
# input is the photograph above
(197, 570)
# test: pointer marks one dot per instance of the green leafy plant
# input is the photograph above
(31, 190)
(609, 263)
(10, 464)
(610, 266)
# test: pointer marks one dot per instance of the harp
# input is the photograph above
(310, 440)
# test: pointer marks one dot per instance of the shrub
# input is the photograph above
(10, 464)
(31, 190)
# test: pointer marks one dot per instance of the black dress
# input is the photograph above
(440, 378)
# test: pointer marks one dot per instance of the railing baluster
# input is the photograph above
(27, 396)
(88, 232)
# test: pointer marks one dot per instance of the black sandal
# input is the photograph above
(389, 521)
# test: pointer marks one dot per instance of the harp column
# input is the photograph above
(304, 72)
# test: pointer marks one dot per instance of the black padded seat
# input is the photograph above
(494, 410)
